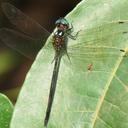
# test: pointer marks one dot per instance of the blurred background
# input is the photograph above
(13, 65)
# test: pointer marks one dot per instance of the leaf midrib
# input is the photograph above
(101, 100)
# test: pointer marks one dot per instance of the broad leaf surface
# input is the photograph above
(6, 109)
(83, 99)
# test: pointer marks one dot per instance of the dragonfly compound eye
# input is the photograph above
(62, 21)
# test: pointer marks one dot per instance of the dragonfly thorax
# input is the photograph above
(59, 33)
(59, 41)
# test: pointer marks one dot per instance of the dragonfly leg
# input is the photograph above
(68, 56)
(69, 31)
(73, 37)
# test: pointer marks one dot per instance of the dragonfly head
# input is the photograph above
(62, 24)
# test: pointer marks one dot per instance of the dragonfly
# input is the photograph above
(93, 45)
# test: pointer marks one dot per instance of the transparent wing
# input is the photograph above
(100, 46)
(34, 36)
(23, 22)
(27, 46)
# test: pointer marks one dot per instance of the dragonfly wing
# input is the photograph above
(27, 46)
(23, 22)
(107, 31)
(99, 46)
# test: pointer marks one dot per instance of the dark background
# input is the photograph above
(14, 66)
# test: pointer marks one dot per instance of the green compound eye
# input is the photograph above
(62, 21)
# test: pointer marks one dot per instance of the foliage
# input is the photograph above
(84, 99)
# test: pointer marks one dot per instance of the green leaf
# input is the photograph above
(96, 98)
(6, 109)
